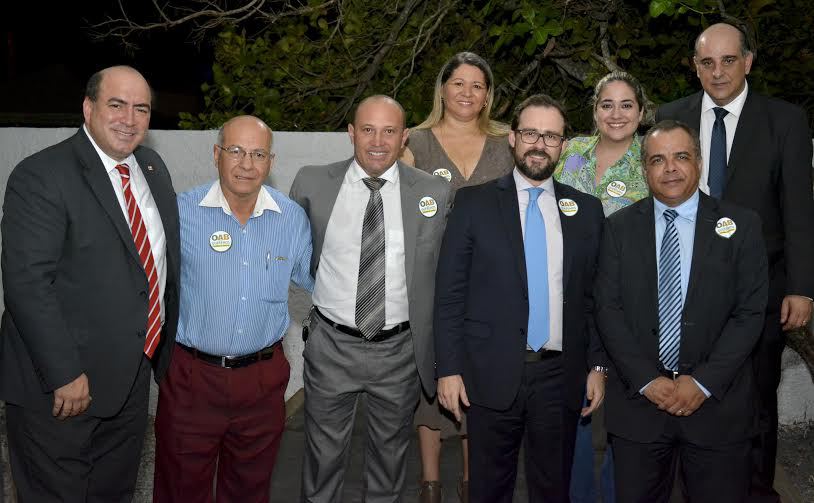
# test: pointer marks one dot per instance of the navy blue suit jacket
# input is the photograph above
(481, 293)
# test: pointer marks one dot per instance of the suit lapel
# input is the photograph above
(705, 221)
(409, 218)
(164, 201)
(692, 116)
(570, 236)
(746, 135)
(510, 218)
(645, 226)
(99, 183)
(322, 205)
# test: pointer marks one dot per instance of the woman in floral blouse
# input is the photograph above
(607, 165)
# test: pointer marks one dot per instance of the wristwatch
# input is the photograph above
(600, 369)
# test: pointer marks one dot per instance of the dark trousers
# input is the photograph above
(82, 458)
(644, 472)
(766, 361)
(539, 419)
(211, 416)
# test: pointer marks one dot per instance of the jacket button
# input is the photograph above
(522, 331)
(143, 294)
(141, 334)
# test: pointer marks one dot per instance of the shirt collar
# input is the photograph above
(215, 199)
(523, 184)
(686, 210)
(110, 163)
(734, 107)
(356, 174)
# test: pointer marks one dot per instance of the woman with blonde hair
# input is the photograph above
(461, 143)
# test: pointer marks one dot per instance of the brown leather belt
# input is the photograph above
(543, 354)
(382, 335)
(233, 362)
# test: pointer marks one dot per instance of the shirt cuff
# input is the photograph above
(701, 386)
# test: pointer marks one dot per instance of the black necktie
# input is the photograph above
(717, 155)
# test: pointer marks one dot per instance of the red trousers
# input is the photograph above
(211, 417)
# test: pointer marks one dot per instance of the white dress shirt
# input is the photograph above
(735, 107)
(338, 272)
(547, 203)
(149, 211)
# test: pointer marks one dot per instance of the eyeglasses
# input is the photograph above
(531, 136)
(237, 153)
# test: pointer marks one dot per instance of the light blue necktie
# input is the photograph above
(717, 155)
(670, 301)
(536, 272)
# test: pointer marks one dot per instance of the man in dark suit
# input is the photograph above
(90, 264)
(376, 226)
(681, 292)
(514, 331)
(757, 155)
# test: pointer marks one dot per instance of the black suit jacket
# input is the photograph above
(721, 321)
(481, 293)
(75, 290)
(769, 171)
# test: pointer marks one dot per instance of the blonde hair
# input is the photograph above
(485, 123)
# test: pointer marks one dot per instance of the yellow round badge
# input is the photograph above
(220, 241)
(443, 173)
(427, 206)
(725, 227)
(616, 188)
(568, 207)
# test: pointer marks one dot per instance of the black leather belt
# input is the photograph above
(233, 362)
(673, 374)
(543, 354)
(381, 336)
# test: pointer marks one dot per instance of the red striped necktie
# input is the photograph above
(142, 241)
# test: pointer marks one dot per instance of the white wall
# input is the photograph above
(188, 155)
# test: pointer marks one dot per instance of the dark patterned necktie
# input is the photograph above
(370, 288)
(670, 299)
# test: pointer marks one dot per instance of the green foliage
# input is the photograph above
(305, 72)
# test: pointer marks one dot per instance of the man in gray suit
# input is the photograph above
(376, 226)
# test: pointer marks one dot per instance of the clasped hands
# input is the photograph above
(680, 397)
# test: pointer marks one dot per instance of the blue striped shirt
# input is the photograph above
(235, 301)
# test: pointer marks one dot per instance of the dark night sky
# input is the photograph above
(48, 56)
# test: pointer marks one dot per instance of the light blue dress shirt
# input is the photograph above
(685, 225)
(235, 302)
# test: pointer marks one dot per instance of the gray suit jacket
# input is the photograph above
(315, 188)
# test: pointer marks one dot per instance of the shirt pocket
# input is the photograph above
(276, 275)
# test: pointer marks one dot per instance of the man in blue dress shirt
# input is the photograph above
(222, 403)
(681, 292)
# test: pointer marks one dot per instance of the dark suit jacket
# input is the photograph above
(721, 322)
(315, 188)
(769, 171)
(481, 302)
(75, 290)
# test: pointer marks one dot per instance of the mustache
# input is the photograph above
(542, 153)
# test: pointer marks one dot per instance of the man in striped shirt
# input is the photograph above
(222, 403)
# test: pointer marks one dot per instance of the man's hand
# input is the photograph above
(659, 391)
(686, 398)
(795, 311)
(72, 399)
(452, 393)
(595, 391)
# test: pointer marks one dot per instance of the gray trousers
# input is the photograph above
(338, 368)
